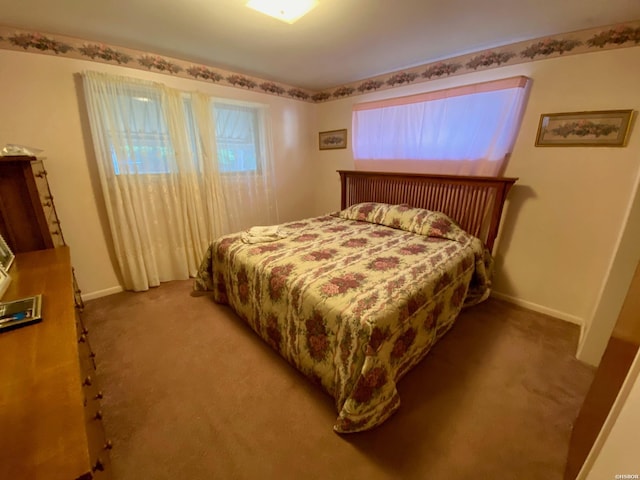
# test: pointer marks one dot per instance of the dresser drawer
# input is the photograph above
(96, 440)
(48, 205)
(99, 446)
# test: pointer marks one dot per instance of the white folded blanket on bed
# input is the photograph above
(262, 234)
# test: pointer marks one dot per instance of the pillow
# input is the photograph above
(401, 217)
(364, 212)
(404, 217)
(438, 224)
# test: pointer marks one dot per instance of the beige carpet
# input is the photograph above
(191, 393)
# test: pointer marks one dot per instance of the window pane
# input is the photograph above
(141, 144)
(237, 138)
(142, 154)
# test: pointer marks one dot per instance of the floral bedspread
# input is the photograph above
(353, 299)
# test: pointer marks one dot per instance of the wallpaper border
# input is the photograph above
(610, 37)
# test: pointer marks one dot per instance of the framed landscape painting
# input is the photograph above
(333, 139)
(606, 128)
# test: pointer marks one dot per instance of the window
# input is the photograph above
(144, 145)
(140, 143)
(440, 131)
(176, 170)
(237, 137)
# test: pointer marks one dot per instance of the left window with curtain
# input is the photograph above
(141, 143)
(159, 212)
(178, 169)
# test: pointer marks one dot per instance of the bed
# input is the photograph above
(354, 299)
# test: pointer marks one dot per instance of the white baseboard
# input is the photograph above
(102, 293)
(542, 309)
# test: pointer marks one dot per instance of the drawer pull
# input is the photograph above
(82, 338)
(87, 381)
(98, 466)
(98, 415)
(98, 396)
(108, 445)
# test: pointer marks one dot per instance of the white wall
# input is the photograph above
(615, 451)
(42, 106)
(615, 289)
(568, 209)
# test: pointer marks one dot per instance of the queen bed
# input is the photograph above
(356, 298)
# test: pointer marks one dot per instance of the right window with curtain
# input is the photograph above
(464, 130)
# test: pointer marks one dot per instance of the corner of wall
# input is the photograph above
(614, 286)
(541, 309)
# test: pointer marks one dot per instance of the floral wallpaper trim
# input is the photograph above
(58, 45)
(583, 41)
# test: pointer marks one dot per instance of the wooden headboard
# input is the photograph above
(475, 203)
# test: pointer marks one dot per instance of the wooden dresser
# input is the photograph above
(50, 419)
(28, 218)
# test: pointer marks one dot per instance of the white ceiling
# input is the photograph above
(340, 41)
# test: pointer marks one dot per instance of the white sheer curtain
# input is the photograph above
(244, 130)
(165, 195)
(463, 130)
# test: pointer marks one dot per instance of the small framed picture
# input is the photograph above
(333, 139)
(5, 280)
(21, 312)
(6, 255)
(606, 128)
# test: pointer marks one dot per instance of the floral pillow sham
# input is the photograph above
(364, 212)
(404, 217)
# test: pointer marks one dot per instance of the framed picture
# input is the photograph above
(6, 255)
(5, 280)
(21, 312)
(333, 139)
(606, 128)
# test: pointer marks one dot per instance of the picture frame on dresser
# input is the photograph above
(5, 280)
(6, 255)
(20, 313)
